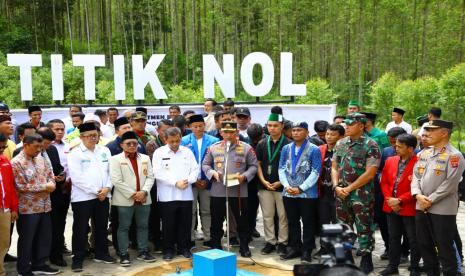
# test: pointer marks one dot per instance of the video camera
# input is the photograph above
(337, 242)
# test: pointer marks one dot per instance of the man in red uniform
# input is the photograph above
(399, 203)
(8, 202)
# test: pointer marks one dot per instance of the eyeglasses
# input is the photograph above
(91, 136)
(131, 144)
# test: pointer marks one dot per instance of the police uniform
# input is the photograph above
(241, 159)
(436, 176)
(352, 158)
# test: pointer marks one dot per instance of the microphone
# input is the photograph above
(228, 144)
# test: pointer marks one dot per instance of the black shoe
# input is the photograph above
(58, 262)
(66, 251)
(389, 271)
(320, 252)
(384, 256)
(105, 259)
(290, 254)
(29, 273)
(233, 242)
(366, 264)
(281, 249)
(9, 258)
(186, 254)
(124, 260)
(168, 256)
(268, 249)
(76, 266)
(45, 270)
(146, 257)
(306, 256)
(255, 233)
(207, 244)
(358, 253)
(245, 252)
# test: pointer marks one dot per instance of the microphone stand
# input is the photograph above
(225, 181)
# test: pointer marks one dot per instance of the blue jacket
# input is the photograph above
(191, 142)
(307, 170)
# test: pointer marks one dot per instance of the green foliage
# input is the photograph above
(416, 96)
(452, 94)
(382, 96)
(318, 92)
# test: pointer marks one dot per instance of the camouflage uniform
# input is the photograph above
(352, 158)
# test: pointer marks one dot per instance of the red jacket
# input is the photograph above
(388, 178)
(323, 149)
(11, 199)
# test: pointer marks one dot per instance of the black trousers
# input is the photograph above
(439, 230)
(155, 234)
(253, 204)
(60, 206)
(398, 225)
(34, 243)
(304, 209)
(98, 211)
(176, 217)
(380, 216)
(218, 213)
(327, 210)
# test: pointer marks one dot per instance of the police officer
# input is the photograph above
(241, 168)
(355, 163)
(435, 182)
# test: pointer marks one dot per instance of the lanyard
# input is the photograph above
(271, 156)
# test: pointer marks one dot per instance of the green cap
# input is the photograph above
(275, 117)
(355, 117)
(353, 103)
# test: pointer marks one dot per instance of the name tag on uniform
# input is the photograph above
(165, 162)
(85, 160)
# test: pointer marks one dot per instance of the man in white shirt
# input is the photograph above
(209, 107)
(397, 116)
(175, 170)
(88, 165)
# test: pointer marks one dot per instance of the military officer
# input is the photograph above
(241, 162)
(434, 185)
(355, 163)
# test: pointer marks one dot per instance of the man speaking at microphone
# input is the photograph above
(240, 162)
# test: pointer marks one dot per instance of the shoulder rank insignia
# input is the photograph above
(454, 161)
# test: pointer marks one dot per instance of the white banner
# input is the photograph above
(293, 112)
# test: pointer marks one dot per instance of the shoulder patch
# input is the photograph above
(454, 161)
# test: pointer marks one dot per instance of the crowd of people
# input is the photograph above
(152, 187)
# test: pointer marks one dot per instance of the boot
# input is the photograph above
(366, 264)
